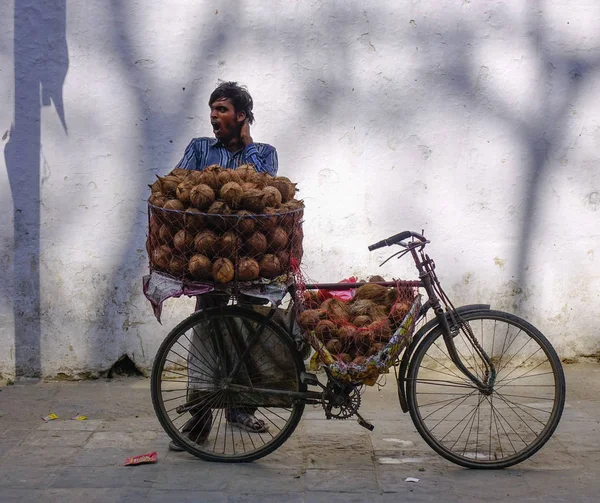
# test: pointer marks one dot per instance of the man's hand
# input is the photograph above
(245, 134)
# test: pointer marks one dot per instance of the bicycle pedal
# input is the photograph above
(310, 379)
(364, 423)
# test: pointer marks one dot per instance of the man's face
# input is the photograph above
(226, 123)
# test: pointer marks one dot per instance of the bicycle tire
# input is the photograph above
(229, 323)
(545, 378)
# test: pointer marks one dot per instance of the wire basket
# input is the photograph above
(224, 247)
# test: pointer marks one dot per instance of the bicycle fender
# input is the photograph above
(422, 332)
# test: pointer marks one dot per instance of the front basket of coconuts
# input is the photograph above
(360, 338)
(221, 229)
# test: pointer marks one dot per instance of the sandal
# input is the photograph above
(248, 422)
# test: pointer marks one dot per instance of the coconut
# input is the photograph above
(361, 321)
(183, 240)
(219, 208)
(194, 177)
(161, 257)
(177, 266)
(309, 318)
(169, 184)
(345, 358)
(206, 243)
(278, 239)
(228, 175)
(296, 247)
(248, 185)
(360, 307)
(380, 330)
(376, 279)
(268, 220)
(334, 346)
(165, 234)
(213, 168)
(208, 177)
(269, 266)
(378, 313)
(360, 361)
(248, 269)
(259, 179)
(183, 191)
(200, 267)
(375, 348)
(157, 199)
(400, 310)
(284, 259)
(231, 193)
(325, 330)
(245, 224)
(336, 310)
(256, 244)
(347, 334)
(223, 270)
(391, 297)
(228, 245)
(202, 196)
(194, 220)
(218, 222)
(253, 200)
(311, 299)
(290, 216)
(371, 291)
(174, 204)
(156, 187)
(245, 170)
(272, 196)
(179, 173)
(286, 188)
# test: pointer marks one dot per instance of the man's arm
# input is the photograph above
(265, 161)
(190, 158)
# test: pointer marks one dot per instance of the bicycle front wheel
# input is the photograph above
(214, 411)
(478, 430)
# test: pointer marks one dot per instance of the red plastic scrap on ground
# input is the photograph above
(144, 458)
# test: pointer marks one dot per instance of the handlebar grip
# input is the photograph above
(391, 240)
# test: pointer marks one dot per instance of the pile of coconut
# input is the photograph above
(353, 331)
(221, 224)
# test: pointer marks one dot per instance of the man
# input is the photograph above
(230, 116)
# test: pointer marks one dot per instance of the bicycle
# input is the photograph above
(484, 388)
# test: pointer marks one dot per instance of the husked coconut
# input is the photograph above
(256, 244)
(183, 192)
(309, 318)
(177, 266)
(229, 244)
(202, 196)
(223, 270)
(272, 196)
(183, 240)
(248, 269)
(246, 223)
(336, 310)
(200, 267)
(232, 193)
(269, 266)
(206, 242)
(371, 291)
(325, 330)
(253, 200)
(277, 239)
(174, 204)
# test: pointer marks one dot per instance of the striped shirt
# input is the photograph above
(203, 152)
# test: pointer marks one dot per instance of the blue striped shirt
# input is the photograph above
(203, 152)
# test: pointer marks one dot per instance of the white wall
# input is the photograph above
(476, 121)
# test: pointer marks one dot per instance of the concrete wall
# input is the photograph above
(476, 121)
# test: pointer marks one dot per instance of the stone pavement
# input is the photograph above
(334, 461)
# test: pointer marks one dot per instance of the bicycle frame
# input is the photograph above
(446, 317)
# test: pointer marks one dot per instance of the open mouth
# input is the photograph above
(215, 126)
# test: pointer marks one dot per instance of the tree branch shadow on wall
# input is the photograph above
(41, 62)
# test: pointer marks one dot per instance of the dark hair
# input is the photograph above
(239, 96)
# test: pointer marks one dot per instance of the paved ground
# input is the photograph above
(73, 461)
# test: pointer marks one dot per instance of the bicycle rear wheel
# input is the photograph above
(197, 402)
(503, 428)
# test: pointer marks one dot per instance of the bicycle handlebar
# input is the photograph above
(396, 238)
